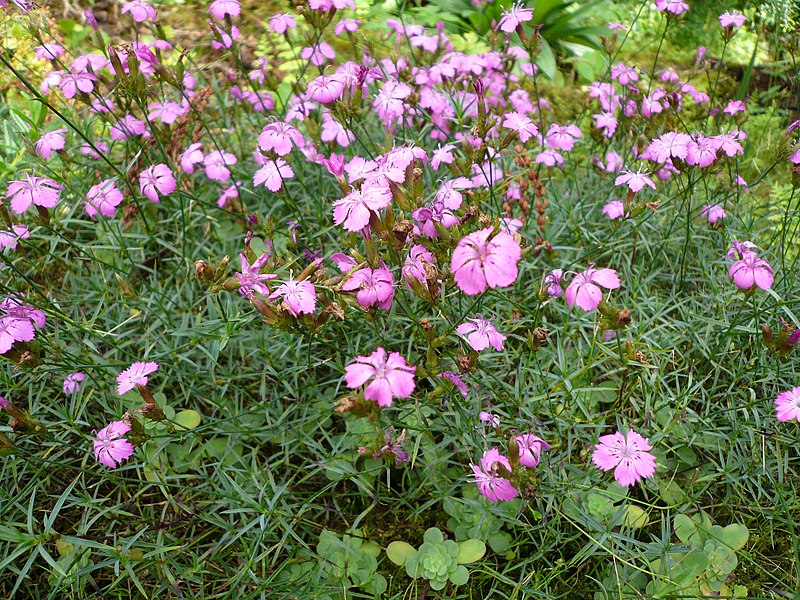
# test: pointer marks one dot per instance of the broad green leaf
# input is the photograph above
(187, 419)
(399, 552)
(684, 528)
(735, 536)
(459, 576)
(635, 517)
(470, 551)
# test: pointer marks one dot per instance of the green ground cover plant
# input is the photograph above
(324, 303)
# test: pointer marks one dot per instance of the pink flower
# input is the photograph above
(478, 262)
(139, 11)
(481, 334)
(787, 405)
(627, 454)
(166, 112)
(50, 142)
(713, 212)
(273, 173)
(279, 137)
(584, 289)
(280, 23)
(40, 191)
(318, 54)
(456, 381)
(353, 211)
(127, 127)
(110, 448)
(733, 107)
(388, 377)
(48, 51)
(739, 249)
(348, 25)
(325, 89)
(553, 283)
(251, 279)
(442, 154)
(299, 296)
(135, 375)
(375, 287)
(14, 329)
(389, 102)
(670, 144)
(155, 180)
(490, 477)
(635, 181)
(192, 156)
(72, 382)
(514, 17)
(562, 137)
(103, 198)
(487, 417)
(731, 19)
(72, 83)
(414, 265)
(216, 165)
(520, 123)
(9, 238)
(614, 209)
(220, 8)
(750, 271)
(701, 151)
(530, 449)
(549, 158)
(228, 193)
(675, 7)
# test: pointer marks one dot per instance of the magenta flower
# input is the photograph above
(731, 19)
(110, 448)
(487, 417)
(155, 180)
(787, 405)
(614, 209)
(442, 154)
(272, 174)
(166, 112)
(103, 198)
(375, 287)
(318, 54)
(549, 158)
(389, 102)
(299, 296)
(675, 7)
(353, 211)
(701, 151)
(713, 212)
(414, 265)
(738, 249)
(750, 271)
(388, 377)
(733, 107)
(280, 23)
(520, 123)
(514, 17)
(50, 142)
(562, 137)
(530, 449)
(14, 329)
(478, 262)
(481, 334)
(72, 382)
(584, 289)
(128, 126)
(251, 279)
(627, 454)
(280, 137)
(220, 8)
(72, 83)
(192, 156)
(9, 238)
(228, 193)
(456, 381)
(553, 283)
(135, 375)
(325, 89)
(40, 191)
(139, 11)
(216, 165)
(635, 181)
(669, 145)
(491, 483)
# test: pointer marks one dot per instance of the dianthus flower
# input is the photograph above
(155, 180)
(251, 279)
(273, 173)
(635, 181)
(487, 417)
(280, 137)
(552, 282)
(139, 11)
(72, 83)
(280, 23)
(627, 454)
(530, 449)
(513, 17)
(414, 265)
(733, 107)
(675, 7)
(353, 211)
(614, 209)
(701, 151)
(525, 128)
(375, 287)
(389, 103)
(750, 271)
(671, 144)
(126, 127)
(166, 112)
(731, 19)
(325, 89)
(9, 238)
(478, 262)
(442, 154)
(40, 191)
(72, 382)
(50, 142)
(456, 381)
(388, 376)
(103, 198)
(14, 329)
(562, 137)
(491, 483)
(713, 212)
(135, 375)
(216, 165)
(192, 156)
(299, 296)
(110, 448)
(220, 8)
(549, 158)
(787, 404)
(584, 289)
(481, 334)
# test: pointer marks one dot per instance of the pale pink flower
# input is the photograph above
(732, 19)
(456, 381)
(50, 142)
(282, 22)
(675, 7)
(490, 477)
(220, 8)
(787, 405)
(733, 107)
(348, 25)
(750, 272)
(635, 181)
(442, 154)
(713, 212)
(216, 165)
(606, 122)
(110, 448)
(127, 127)
(166, 112)
(273, 173)
(135, 375)
(450, 192)
(584, 289)
(388, 376)
(332, 131)
(478, 262)
(251, 279)
(614, 209)
(487, 417)
(739, 249)
(520, 123)
(552, 282)
(481, 334)
(414, 265)
(669, 145)
(9, 238)
(103, 198)
(549, 158)
(228, 193)
(192, 156)
(375, 287)
(325, 89)
(72, 83)
(318, 54)
(15, 329)
(279, 137)
(627, 454)
(562, 137)
(513, 17)
(155, 180)
(353, 211)
(139, 11)
(701, 151)
(48, 51)
(530, 449)
(299, 296)
(40, 191)
(624, 74)
(389, 101)
(72, 382)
